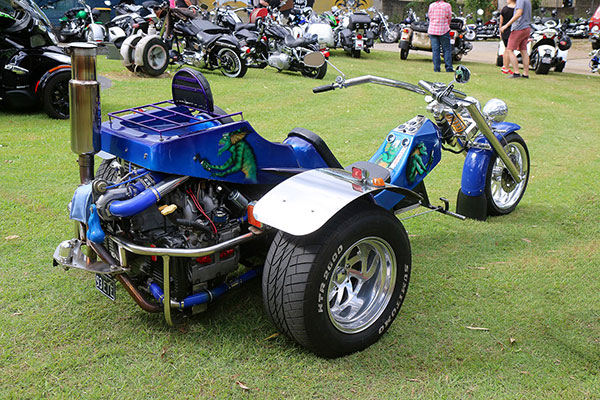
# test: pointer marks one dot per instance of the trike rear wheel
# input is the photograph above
(337, 290)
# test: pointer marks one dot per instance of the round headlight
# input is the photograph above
(495, 110)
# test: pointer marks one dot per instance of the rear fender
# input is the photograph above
(477, 161)
(305, 202)
(41, 85)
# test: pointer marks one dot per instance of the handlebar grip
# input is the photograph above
(324, 88)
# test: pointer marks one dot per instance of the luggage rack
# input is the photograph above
(164, 116)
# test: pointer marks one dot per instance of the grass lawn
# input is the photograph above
(531, 278)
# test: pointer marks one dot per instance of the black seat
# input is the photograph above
(250, 27)
(375, 170)
(420, 26)
(299, 42)
(319, 145)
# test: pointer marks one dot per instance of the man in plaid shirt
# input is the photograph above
(440, 15)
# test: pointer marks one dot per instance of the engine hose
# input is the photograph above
(150, 196)
(206, 296)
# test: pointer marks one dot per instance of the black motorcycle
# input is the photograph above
(200, 43)
(274, 45)
(33, 70)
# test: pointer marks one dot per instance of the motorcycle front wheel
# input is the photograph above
(389, 36)
(337, 290)
(231, 64)
(502, 192)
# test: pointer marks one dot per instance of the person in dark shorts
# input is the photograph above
(506, 14)
(519, 35)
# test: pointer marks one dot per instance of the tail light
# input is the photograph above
(135, 26)
(226, 253)
(205, 259)
(264, 38)
(452, 33)
(359, 36)
(325, 52)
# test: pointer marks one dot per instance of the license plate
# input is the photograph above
(359, 44)
(452, 41)
(546, 60)
(107, 285)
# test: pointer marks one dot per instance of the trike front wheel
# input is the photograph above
(336, 291)
(503, 193)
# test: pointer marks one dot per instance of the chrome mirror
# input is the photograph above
(314, 59)
(462, 74)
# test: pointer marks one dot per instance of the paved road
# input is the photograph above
(485, 52)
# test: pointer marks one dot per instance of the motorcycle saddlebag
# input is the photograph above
(346, 37)
(359, 21)
(456, 24)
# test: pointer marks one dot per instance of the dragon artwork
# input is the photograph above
(415, 164)
(242, 157)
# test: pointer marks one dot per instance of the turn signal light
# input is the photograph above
(378, 182)
(357, 173)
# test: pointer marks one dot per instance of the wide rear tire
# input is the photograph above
(337, 290)
(155, 57)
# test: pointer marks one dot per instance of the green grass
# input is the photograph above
(531, 277)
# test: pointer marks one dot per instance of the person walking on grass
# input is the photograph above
(506, 14)
(519, 35)
(440, 15)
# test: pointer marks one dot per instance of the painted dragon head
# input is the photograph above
(229, 139)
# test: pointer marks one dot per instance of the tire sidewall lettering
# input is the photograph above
(325, 281)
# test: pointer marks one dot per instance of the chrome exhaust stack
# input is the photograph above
(84, 104)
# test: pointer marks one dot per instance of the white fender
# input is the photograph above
(125, 49)
(305, 202)
(98, 32)
(545, 49)
(115, 33)
(139, 49)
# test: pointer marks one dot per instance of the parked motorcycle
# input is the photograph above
(92, 25)
(488, 30)
(386, 31)
(189, 191)
(34, 71)
(595, 54)
(548, 48)
(203, 44)
(274, 45)
(354, 34)
(415, 37)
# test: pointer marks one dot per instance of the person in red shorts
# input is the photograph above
(519, 35)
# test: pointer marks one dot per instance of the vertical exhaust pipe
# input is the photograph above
(84, 104)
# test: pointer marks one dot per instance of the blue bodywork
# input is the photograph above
(180, 151)
(477, 161)
(410, 151)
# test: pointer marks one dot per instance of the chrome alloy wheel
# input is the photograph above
(361, 285)
(505, 191)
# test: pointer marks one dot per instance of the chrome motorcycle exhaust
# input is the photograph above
(84, 106)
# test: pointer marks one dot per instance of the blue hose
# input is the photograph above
(208, 295)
